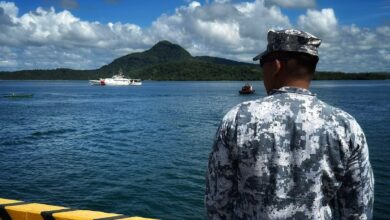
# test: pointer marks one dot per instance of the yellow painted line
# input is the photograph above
(32, 211)
(82, 215)
(6, 201)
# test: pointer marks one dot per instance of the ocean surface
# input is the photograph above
(143, 150)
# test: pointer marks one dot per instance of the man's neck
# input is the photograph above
(296, 83)
(304, 84)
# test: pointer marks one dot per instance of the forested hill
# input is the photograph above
(167, 61)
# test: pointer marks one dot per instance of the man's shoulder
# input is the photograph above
(340, 120)
(243, 108)
(336, 112)
(272, 102)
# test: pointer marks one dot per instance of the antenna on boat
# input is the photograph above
(120, 72)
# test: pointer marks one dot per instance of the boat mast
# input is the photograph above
(120, 72)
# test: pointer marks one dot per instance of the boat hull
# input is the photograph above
(246, 92)
(116, 81)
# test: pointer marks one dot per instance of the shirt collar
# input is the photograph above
(288, 89)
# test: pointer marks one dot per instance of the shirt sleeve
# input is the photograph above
(356, 195)
(221, 182)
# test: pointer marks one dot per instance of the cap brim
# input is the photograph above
(261, 55)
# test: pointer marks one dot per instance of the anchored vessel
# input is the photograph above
(116, 80)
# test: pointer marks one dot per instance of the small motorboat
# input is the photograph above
(247, 89)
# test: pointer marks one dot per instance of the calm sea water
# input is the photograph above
(143, 150)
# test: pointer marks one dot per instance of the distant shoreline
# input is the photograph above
(166, 61)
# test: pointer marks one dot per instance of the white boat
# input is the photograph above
(116, 80)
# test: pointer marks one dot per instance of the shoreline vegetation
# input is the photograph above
(170, 62)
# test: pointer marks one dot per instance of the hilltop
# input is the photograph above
(168, 61)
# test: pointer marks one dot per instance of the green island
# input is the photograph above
(168, 61)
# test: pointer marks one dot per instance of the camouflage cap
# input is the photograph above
(291, 40)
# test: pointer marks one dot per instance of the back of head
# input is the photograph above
(296, 64)
(293, 44)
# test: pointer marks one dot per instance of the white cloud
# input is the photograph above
(7, 57)
(9, 8)
(385, 54)
(50, 39)
(356, 49)
(228, 30)
(323, 23)
(385, 31)
(292, 3)
(45, 38)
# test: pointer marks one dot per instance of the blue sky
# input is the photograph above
(143, 12)
(85, 34)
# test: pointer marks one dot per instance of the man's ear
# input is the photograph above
(277, 67)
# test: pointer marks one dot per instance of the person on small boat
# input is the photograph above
(289, 155)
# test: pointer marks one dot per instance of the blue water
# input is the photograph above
(143, 150)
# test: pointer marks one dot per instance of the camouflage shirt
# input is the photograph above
(289, 156)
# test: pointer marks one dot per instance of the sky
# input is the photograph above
(86, 34)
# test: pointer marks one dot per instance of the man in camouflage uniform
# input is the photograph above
(289, 155)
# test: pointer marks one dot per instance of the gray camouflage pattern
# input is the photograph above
(291, 40)
(289, 156)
